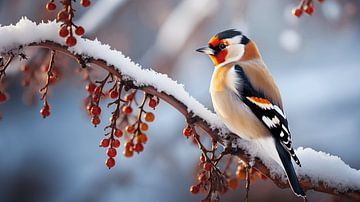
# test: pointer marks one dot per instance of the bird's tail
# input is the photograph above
(289, 169)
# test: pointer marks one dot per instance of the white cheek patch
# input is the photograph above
(234, 52)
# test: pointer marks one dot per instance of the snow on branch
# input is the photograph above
(320, 171)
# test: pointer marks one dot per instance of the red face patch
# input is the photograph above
(220, 56)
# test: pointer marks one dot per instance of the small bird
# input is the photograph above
(246, 98)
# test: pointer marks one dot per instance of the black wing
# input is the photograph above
(268, 113)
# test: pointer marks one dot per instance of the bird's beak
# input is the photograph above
(206, 50)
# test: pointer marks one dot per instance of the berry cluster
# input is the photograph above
(121, 117)
(3, 97)
(211, 179)
(66, 16)
(3, 66)
(50, 78)
(305, 6)
(241, 172)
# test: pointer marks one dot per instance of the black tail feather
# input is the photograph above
(289, 169)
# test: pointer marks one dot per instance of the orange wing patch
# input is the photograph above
(259, 100)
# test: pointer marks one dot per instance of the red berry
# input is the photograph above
(52, 79)
(111, 152)
(233, 183)
(152, 103)
(110, 162)
(90, 87)
(85, 3)
(129, 129)
(95, 110)
(202, 158)
(207, 166)
(187, 132)
(149, 117)
(115, 143)
(50, 6)
(25, 68)
(88, 108)
(129, 145)
(138, 147)
(45, 112)
(297, 12)
(202, 177)
(70, 41)
(309, 9)
(118, 133)
(129, 97)
(25, 82)
(104, 143)
(95, 121)
(128, 153)
(96, 98)
(45, 68)
(3, 97)
(144, 126)
(79, 30)
(141, 138)
(127, 110)
(97, 90)
(62, 15)
(114, 94)
(63, 32)
(194, 189)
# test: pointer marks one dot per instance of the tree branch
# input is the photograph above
(305, 181)
(87, 51)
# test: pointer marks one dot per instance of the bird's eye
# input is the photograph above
(222, 46)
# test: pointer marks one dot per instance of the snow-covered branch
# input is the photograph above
(320, 171)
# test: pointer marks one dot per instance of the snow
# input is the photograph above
(319, 166)
(14, 36)
(329, 169)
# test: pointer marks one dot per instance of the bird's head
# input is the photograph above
(227, 46)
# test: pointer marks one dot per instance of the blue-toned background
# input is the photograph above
(315, 61)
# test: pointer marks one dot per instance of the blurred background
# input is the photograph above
(315, 61)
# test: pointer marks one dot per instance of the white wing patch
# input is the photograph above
(271, 123)
(285, 129)
(277, 124)
(279, 111)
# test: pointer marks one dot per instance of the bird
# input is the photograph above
(246, 98)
